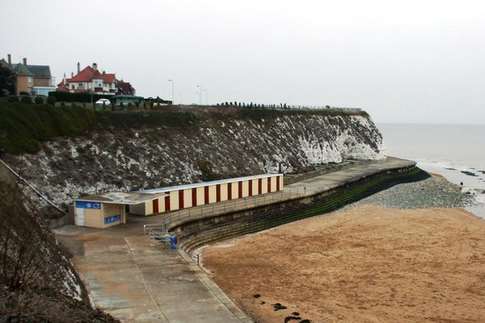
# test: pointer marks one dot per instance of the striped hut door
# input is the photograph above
(239, 188)
(260, 186)
(218, 192)
(250, 189)
(229, 191)
(278, 185)
(194, 196)
(167, 203)
(156, 209)
(206, 195)
(181, 199)
(268, 180)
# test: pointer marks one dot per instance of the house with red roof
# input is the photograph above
(91, 80)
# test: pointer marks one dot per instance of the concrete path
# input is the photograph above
(135, 279)
(350, 174)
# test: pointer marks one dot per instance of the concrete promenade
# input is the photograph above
(136, 279)
(307, 187)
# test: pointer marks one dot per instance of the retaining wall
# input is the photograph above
(196, 233)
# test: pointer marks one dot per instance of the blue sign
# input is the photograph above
(88, 205)
(112, 219)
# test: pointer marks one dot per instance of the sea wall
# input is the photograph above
(144, 150)
(196, 233)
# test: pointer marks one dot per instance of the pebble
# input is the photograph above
(434, 192)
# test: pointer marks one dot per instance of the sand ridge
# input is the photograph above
(363, 264)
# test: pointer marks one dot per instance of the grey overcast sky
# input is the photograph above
(403, 61)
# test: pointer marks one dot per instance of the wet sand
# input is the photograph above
(362, 264)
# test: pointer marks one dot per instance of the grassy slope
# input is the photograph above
(23, 127)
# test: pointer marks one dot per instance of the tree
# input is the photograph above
(7, 81)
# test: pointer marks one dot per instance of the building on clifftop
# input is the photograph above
(30, 79)
(91, 80)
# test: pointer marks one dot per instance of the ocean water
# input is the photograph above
(456, 152)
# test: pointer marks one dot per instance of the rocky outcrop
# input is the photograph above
(216, 146)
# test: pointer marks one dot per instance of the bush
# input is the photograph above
(39, 100)
(51, 100)
(26, 99)
(78, 97)
(25, 126)
(13, 98)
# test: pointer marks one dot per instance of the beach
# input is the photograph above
(407, 254)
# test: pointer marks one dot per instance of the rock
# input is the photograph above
(279, 306)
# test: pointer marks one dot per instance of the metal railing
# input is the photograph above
(177, 217)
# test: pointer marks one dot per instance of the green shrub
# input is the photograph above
(13, 98)
(24, 126)
(39, 100)
(51, 100)
(26, 99)
(78, 97)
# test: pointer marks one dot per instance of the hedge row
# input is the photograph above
(78, 97)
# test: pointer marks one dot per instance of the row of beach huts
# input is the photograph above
(109, 209)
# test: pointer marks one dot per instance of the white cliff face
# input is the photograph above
(129, 159)
(344, 146)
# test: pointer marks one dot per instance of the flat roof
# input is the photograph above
(208, 183)
(133, 198)
(130, 198)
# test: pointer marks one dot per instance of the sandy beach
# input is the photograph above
(366, 263)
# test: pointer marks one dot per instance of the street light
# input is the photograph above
(173, 92)
(206, 96)
(199, 88)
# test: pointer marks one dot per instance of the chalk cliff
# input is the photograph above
(129, 152)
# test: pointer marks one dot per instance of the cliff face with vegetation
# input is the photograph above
(37, 281)
(126, 151)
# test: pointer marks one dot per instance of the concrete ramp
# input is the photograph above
(135, 279)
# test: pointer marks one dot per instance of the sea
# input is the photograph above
(456, 152)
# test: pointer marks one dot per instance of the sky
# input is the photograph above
(402, 61)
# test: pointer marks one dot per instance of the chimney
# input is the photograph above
(72, 74)
(25, 60)
(9, 59)
(78, 67)
(95, 66)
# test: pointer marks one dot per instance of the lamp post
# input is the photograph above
(206, 96)
(173, 91)
(199, 88)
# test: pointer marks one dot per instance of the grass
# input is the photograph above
(23, 126)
